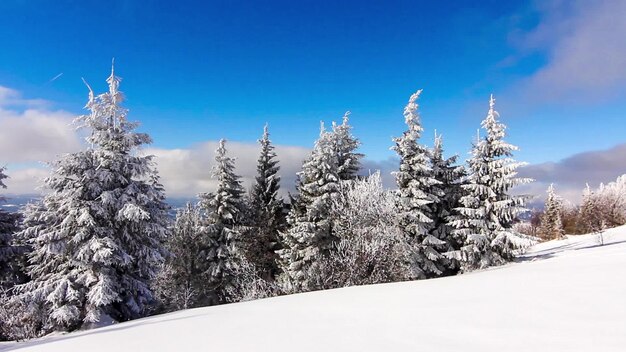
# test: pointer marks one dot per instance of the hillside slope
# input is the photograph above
(567, 295)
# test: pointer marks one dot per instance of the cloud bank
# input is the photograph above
(571, 174)
(31, 134)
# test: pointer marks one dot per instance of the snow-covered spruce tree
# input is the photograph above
(180, 284)
(11, 263)
(450, 177)
(97, 236)
(267, 210)
(484, 220)
(345, 144)
(551, 227)
(417, 190)
(223, 208)
(310, 232)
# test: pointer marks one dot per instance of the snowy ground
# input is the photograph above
(567, 295)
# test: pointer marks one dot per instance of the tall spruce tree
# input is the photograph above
(97, 235)
(417, 191)
(311, 232)
(224, 209)
(11, 263)
(484, 220)
(450, 178)
(551, 224)
(267, 208)
(345, 144)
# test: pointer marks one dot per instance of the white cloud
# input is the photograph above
(30, 133)
(586, 50)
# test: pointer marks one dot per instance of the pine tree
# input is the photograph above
(97, 235)
(345, 144)
(11, 264)
(181, 284)
(450, 176)
(484, 221)
(311, 233)
(417, 190)
(551, 225)
(224, 209)
(267, 207)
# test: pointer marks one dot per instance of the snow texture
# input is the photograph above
(564, 295)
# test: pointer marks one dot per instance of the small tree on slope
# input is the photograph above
(180, 283)
(97, 236)
(267, 208)
(417, 190)
(590, 216)
(310, 219)
(484, 220)
(223, 209)
(345, 144)
(551, 227)
(11, 268)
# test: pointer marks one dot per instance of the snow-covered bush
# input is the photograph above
(19, 319)
(371, 247)
(249, 285)
(604, 207)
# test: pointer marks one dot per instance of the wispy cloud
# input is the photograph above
(55, 77)
(585, 48)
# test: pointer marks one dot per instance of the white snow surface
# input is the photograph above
(566, 295)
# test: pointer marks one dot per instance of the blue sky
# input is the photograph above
(198, 71)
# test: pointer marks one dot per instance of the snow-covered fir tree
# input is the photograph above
(450, 178)
(181, 284)
(11, 263)
(417, 190)
(551, 227)
(310, 232)
(267, 209)
(345, 145)
(484, 220)
(590, 216)
(224, 209)
(97, 236)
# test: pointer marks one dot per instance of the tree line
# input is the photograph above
(600, 209)
(99, 247)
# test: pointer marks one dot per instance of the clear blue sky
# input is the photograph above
(196, 71)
